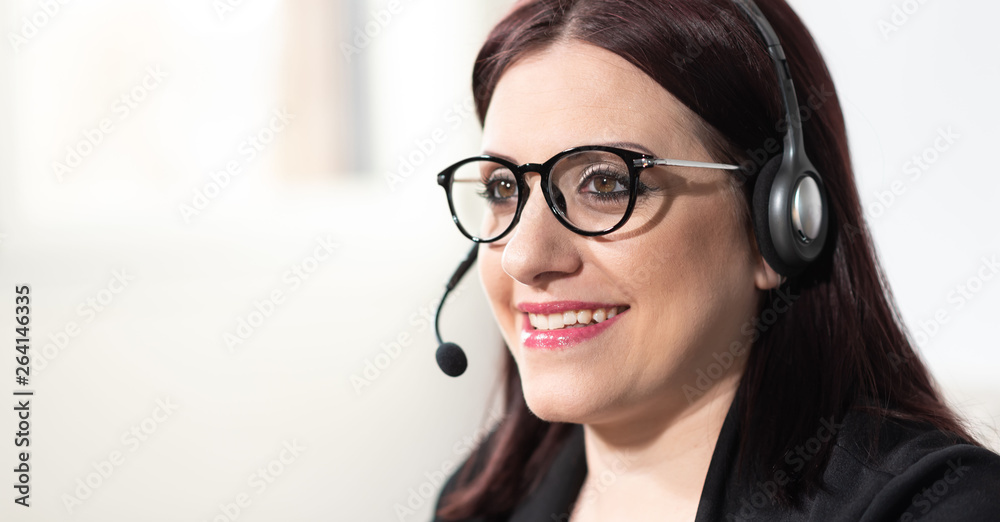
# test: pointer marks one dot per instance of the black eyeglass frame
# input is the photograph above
(636, 162)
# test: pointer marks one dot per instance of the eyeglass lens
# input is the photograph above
(590, 190)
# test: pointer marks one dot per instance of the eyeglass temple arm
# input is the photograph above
(648, 162)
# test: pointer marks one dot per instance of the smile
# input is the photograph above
(557, 326)
(573, 318)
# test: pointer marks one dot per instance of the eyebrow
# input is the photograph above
(618, 144)
(629, 145)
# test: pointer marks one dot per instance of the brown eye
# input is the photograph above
(604, 184)
(497, 190)
(506, 189)
(498, 183)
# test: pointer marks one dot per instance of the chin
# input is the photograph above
(562, 397)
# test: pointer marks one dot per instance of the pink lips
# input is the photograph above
(558, 307)
(564, 337)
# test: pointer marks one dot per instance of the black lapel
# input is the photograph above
(553, 500)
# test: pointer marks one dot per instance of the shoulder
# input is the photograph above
(887, 469)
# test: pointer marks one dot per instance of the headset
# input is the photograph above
(789, 206)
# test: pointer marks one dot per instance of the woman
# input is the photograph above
(675, 352)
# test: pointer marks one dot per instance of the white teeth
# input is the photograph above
(573, 318)
(555, 321)
(543, 322)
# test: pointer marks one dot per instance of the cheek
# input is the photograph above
(689, 278)
(498, 287)
(689, 256)
(699, 243)
(707, 245)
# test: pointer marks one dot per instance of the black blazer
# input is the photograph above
(917, 473)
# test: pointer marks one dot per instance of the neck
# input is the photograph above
(654, 463)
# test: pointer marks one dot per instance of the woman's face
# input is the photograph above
(681, 276)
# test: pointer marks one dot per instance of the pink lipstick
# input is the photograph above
(562, 338)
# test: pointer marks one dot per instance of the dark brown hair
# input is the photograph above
(840, 346)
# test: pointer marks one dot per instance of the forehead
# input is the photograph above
(574, 93)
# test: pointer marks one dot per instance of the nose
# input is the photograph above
(540, 249)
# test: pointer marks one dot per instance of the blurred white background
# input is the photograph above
(227, 214)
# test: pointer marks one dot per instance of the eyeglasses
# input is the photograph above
(592, 190)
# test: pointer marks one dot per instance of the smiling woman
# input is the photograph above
(541, 269)
(694, 333)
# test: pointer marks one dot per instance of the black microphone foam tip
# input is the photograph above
(451, 359)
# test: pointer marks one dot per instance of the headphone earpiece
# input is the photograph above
(761, 202)
(789, 214)
(790, 209)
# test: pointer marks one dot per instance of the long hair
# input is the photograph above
(840, 346)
